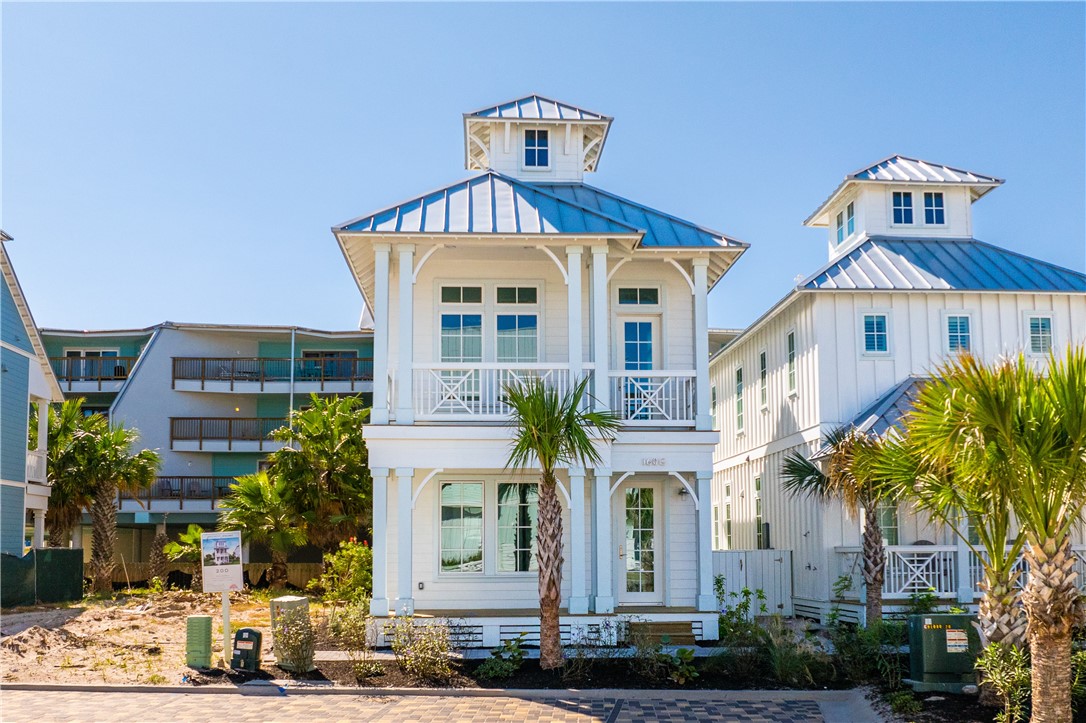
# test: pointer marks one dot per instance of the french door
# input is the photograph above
(637, 515)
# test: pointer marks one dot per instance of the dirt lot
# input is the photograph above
(133, 639)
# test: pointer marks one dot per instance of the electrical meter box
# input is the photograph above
(942, 650)
(246, 650)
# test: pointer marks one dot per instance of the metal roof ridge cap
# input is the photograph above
(536, 189)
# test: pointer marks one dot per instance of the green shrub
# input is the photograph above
(352, 628)
(737, 611)
(903, 702)
(1006, 668)
(496, 669)
(790, 659)
(295, 640)
(1078, 680)
(348, 573)
(422, 651)
(871, 654)
(682, 666)
(922, 603)
(505, 660)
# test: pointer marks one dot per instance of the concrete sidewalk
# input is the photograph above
(256, 704)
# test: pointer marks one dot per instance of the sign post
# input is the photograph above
(220, 558)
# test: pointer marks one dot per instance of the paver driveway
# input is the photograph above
(38, 706)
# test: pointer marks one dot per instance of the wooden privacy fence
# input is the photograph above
(298, 573)
(767, 570)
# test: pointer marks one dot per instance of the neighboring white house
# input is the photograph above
(905, 288)
(206, 397)
(25, 379)
(523, 270)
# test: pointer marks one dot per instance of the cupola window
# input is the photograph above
(903, 207)
(536, 149)
(933, 209)
(850, 219)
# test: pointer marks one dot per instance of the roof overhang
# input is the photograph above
(54, 390)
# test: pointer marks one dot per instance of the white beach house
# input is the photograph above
(906, 287)
(523, 270)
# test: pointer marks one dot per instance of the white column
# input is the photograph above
(379, 415)
(573, 295)
(405, 581)
(77, 535)
(601, 330)
(704, 419)
(405, 403)
(604, 601)
(379, 601)
(39, 529)
(578, 598)
(964, 557)
(43, 425)
(706, 598)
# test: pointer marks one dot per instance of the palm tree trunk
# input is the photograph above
(104, 536)
(60, 532)
(1050, 599)
(278, 576)
(874, 570)
(158, 557)
(549, 557)
(1001, 620)
(197, 584)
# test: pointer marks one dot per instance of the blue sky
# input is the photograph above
(186, 161)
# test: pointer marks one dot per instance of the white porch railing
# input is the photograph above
(654, 398)
(476, 391)
(35, 467)
(976, 569)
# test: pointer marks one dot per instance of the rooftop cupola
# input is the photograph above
(901, 197)
(535, 139)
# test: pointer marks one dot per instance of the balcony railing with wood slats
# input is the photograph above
(226, 429)
(247, 372)
(182, 489)
(88, 371)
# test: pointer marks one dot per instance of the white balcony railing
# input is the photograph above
(476, 391)
(35, 467)
(654, 398)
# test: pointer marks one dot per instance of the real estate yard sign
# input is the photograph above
(220, 555)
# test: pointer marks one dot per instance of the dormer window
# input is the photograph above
(933, 209)
(536, 149)
(846, 223)
(840, 226)
(903, 208)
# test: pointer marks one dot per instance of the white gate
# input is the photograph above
(767, 570)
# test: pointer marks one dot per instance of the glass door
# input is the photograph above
(640, 352)
(640, 548)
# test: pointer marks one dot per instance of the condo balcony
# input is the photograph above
(224, 434)
(86, 374)
(177, 494)
(321, 374)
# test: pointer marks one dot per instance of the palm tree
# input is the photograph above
(109, 466)
(70, 494)
(188, 548)
(326, 469)
(551, 430)
(851, 480)
(259, 506)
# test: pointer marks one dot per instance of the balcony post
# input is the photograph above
(573, 288)
(604, 601)
(704, 418)
(379, 414)
(706, 598)
(578, 598)
(405, 600)
(43, 425)
(379, 601)
(39, 529)
(405, 401)
(963, 565)
(601, 334)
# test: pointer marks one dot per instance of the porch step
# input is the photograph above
(665, 633)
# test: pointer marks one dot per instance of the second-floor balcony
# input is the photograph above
(84, 375)
(475, 392)
(178, 493)
(224, 434)
(340, 375)
(36, 467)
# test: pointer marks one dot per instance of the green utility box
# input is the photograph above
(198, 641)
(942, 650)
(246, 650)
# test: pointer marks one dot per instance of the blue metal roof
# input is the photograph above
(495, 203)
(898, 168)
(888, 411)
(536, 107)
(881, 263)
(661, 229)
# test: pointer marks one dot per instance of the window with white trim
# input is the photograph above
(759, 528)
(850, 219)
(518, 505)
(876, 334)
(713, 404)
(517, 295)
(518, 338)
(649, 296)
(888, 523)
(763, 378)
(461, 294)
(536, 148)
(934, 214)
(739, 399)
(840, 227)
(903, 208)
(791, 344)
(716, 527)
(462, 527)
(728, 515)
(1040, 333)
(958, 333)
(461, 338)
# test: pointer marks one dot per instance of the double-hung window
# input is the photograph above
(517, 334)
(887, 516)
(716, 527)
(791, 343)
(739, 399)
(461, 338)
(518, 505)
(876, 334)
(759, 527)
(728, 515)
(958, 336)
(536, 148)
(763, 379)
(1040, 333)
(462, 527)
(934, 214)
(903, 208)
